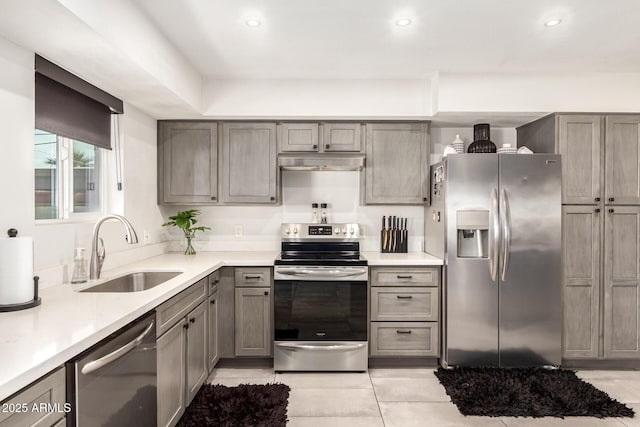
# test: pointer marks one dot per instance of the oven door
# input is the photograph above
(320, 303)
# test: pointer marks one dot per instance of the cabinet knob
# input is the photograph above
(327, 146)
(611, 199)
(266, 292)
(315, 146)
(186, 326)
(272, 198)
(611, 211)
(192, 320)
(213, 197)
(597, 210)
(213, 301)
(597, 199)
(424, 199)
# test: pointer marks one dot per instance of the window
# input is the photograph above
(68, 177)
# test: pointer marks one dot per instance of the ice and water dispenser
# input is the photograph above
(472, 227)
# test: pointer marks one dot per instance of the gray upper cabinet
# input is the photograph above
(253, 322)
(397, 170)
(248, 163)
(187, 162)
(622, 282)
(622, 169)
(341, 137)
(297, 137)
(580, 143)
(581, 240)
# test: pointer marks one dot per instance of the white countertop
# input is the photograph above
(411, 258)
(33, 342)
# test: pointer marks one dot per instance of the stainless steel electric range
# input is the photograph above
(320, 303)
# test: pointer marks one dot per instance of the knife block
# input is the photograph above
(394, 240)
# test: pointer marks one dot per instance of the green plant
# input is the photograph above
(185, 220)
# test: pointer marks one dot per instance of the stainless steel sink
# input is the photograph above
(134, 282)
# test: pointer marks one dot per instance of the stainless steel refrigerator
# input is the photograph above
(495, 219)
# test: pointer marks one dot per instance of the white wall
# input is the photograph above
(317, 98)
(261, 224)
(54, 244)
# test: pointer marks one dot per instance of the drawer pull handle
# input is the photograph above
(253, 277)
(404, 277)
(404, 296)
(398, 331)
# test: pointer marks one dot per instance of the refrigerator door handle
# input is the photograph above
(494, 239)
(506, 234)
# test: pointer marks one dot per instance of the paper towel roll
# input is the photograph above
(16, 270)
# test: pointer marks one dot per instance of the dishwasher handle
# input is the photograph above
(116, 354)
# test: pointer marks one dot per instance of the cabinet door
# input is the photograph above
(297, 137)
(580, 143)
(171, 354)
(622, 172)
(622, 282)
(397, 170)
(249, 167)
(581, 240)
(253, 322)
(197, 367)
(187, 162)
(212, 343)
(341, 137)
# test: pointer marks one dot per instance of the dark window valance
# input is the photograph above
(69, 106)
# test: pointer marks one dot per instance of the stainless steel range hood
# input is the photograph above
(321, 162)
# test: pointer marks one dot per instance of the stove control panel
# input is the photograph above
(334, 232)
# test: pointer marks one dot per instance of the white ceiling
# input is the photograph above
(358, 38)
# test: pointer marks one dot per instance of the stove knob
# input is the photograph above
(295, 230)
(344, 230)
(288, 231)
(352, 231)
(337, 231)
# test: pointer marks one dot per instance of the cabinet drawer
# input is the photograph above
(404, 339)
(48, 391)
(418, 304)
(214, 279)
(253, 276)
(405, 276)
(169, 312)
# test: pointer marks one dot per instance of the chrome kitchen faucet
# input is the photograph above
(97, 245)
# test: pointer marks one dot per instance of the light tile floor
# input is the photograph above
(409, 397)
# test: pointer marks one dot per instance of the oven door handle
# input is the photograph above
(331, 347)
(334, 272)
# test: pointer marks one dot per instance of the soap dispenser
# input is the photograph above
(80, 267)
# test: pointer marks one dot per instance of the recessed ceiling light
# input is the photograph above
(403, 22)
(552, 22)
(253, 23)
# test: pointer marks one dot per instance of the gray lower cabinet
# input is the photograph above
(404, 311)
(253, 322)
(622, 169)
(197, 351)
(622, 282)
(172, 352)
(187, 162)
(248, 163)
(49, 390)
(213, 354)
(397, 170)
(581, 241)
(181, 351)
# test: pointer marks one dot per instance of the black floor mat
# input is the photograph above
(244, 405)
(527, 392)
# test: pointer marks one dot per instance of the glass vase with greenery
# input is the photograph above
(185, 220)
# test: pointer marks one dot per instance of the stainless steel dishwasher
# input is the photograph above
(114, 383)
